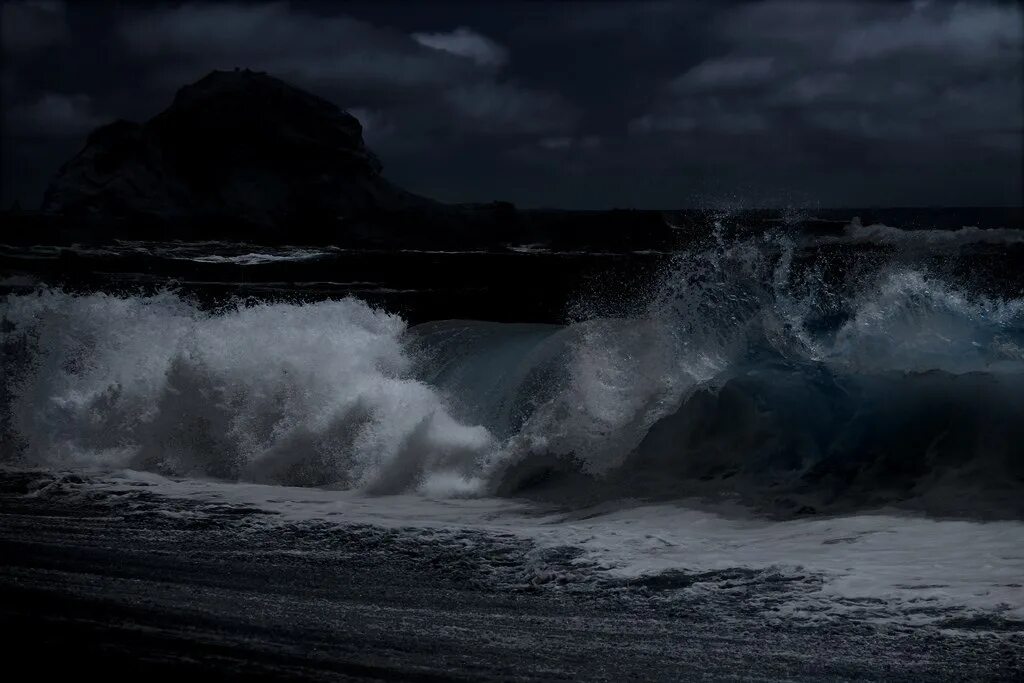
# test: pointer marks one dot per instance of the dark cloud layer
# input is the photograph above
(32, 25)
(650, 104)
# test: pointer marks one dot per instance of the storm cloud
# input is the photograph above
(648, 104)
(29, 25)
(870, 71)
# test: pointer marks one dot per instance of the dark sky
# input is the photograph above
(575, 105)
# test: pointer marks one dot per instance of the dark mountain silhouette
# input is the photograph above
(244, 155)
(241, 154)
(239, 144)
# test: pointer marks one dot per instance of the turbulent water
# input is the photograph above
(745, 371)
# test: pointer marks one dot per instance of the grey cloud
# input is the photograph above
(646, 17)
(580, 104)
(573, 157)
(725, 72)
(556, 143)
(467, 43)
(812, 88)
(671, 122)
(869, 70)
(506, 108)
(968, 31)
(586, 142)
(54, 115)
(29, 25)
(702, 116)
(421, 83)
(375, 124)
(775, 24)
(326, 50)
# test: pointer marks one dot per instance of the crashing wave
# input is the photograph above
(857, 233)
(740, 373)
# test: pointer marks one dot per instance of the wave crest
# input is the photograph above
(745, 367)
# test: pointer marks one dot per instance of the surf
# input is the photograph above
(746, 370)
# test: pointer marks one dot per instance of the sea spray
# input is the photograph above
(311, 394)
(748, 368)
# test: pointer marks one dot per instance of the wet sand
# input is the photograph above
(100, 586)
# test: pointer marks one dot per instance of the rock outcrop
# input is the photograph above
(237, 145)
(243, 155)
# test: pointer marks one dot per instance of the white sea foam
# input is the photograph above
(337, 393)
(315, 393)
(879, 567)
(879, 233)
(258, 258)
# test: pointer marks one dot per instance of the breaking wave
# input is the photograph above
(742, 372)
(857, 233)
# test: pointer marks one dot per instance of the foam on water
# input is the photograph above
(739, 362)
(313, 394)
(878, 567)
(259, 258)
(878, 233)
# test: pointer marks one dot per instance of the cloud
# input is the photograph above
(586, 142)
(725, 72)
(506, 108)
(336, 50)
(561, 142)
(566, 156)
(965, 31)
(467, 43)
(421, 83)
(883, 71)
(54, 115)
(702, 116)
(375, 124)
(857, 100)
(649, 18)
(663, 122)
(30, 25)
(814, 88)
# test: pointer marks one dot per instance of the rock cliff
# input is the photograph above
(236, 144)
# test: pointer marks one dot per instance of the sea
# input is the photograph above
(786, 449)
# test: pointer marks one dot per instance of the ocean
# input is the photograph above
(791, 450)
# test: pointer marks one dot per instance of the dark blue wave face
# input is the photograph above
(750, 368)
(744, 374)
